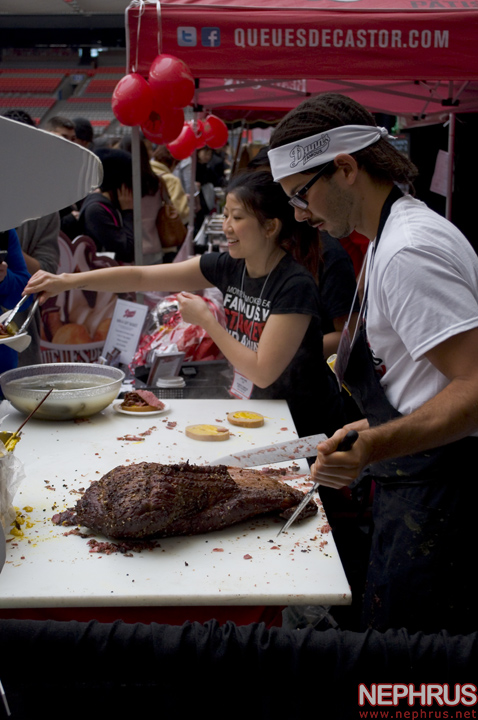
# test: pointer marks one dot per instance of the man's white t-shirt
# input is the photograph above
(423, 289)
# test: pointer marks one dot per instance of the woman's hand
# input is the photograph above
(194, 309)
(340, 469)
(46, 285)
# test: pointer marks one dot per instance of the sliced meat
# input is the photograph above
(142, 398)
(150, 399)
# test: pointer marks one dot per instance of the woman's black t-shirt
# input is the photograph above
(306, 383)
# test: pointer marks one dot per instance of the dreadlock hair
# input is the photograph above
(265, 199)
(330, 110)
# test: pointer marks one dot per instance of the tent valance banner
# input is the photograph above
(410, 58)
(320, 39)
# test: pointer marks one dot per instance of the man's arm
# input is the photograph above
(450, 415)
(39, 241)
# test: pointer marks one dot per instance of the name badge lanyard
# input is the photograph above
(345, 345)
(340, 361)
(241, 386)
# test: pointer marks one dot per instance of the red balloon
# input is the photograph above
(171, 81)
(216, 133)
(184, 145)
(164, 128)
(199, 132)
(132, 100)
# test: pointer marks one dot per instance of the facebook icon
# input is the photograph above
(210, 37)
(187, 36)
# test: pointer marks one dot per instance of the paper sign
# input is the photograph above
(125, 329)
(440, 176)
(241, 387)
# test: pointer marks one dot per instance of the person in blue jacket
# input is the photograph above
(13, 278)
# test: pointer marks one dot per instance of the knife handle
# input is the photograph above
(348, 441)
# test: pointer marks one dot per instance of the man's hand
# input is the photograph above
(340, 469)
(3, 271)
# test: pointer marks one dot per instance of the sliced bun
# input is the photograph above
(245, 418)
(212, 433)
(139, 408)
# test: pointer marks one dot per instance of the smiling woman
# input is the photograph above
(272, 336)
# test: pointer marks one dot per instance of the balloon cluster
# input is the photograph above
(156, 105)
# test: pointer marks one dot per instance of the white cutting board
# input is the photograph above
(242, 565)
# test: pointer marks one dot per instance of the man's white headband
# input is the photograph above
(322, 148)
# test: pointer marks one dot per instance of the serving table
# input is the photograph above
(245, 565)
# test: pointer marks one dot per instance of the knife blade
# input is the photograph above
(343, 446)
(270, 454)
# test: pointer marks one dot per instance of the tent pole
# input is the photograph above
(451, 158)
(197, 109)
(136, 160)
(238, 147)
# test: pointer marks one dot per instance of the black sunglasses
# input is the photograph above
(297, 200)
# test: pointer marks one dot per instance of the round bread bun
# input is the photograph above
(245, 418)
(138, 408)
(71, 334)
(212, 433)
(102, 330)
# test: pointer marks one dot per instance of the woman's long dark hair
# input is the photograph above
(266, 200)
(149, 179)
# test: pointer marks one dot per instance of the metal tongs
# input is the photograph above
(8, 318)
(343, 446)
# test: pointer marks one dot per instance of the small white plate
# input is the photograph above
(170, 382)
(17, 342)
(118, 408)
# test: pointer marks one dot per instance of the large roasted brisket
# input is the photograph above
(147, 500)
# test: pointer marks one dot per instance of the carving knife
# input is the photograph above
(346, 444)
(270, 454)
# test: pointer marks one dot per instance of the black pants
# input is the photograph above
(422, 561)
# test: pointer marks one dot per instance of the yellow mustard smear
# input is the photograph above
(21, 522)
(247, 415)
(208, 429)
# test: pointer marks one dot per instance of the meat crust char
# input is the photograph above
(150, 500)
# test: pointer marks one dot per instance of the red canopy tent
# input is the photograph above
(256, 59)
(405, 57)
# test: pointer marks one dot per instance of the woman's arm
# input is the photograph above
(279, 342)
(170, 277)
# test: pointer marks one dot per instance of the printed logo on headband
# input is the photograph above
(302, 155)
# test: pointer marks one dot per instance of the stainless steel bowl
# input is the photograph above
(79, 389)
